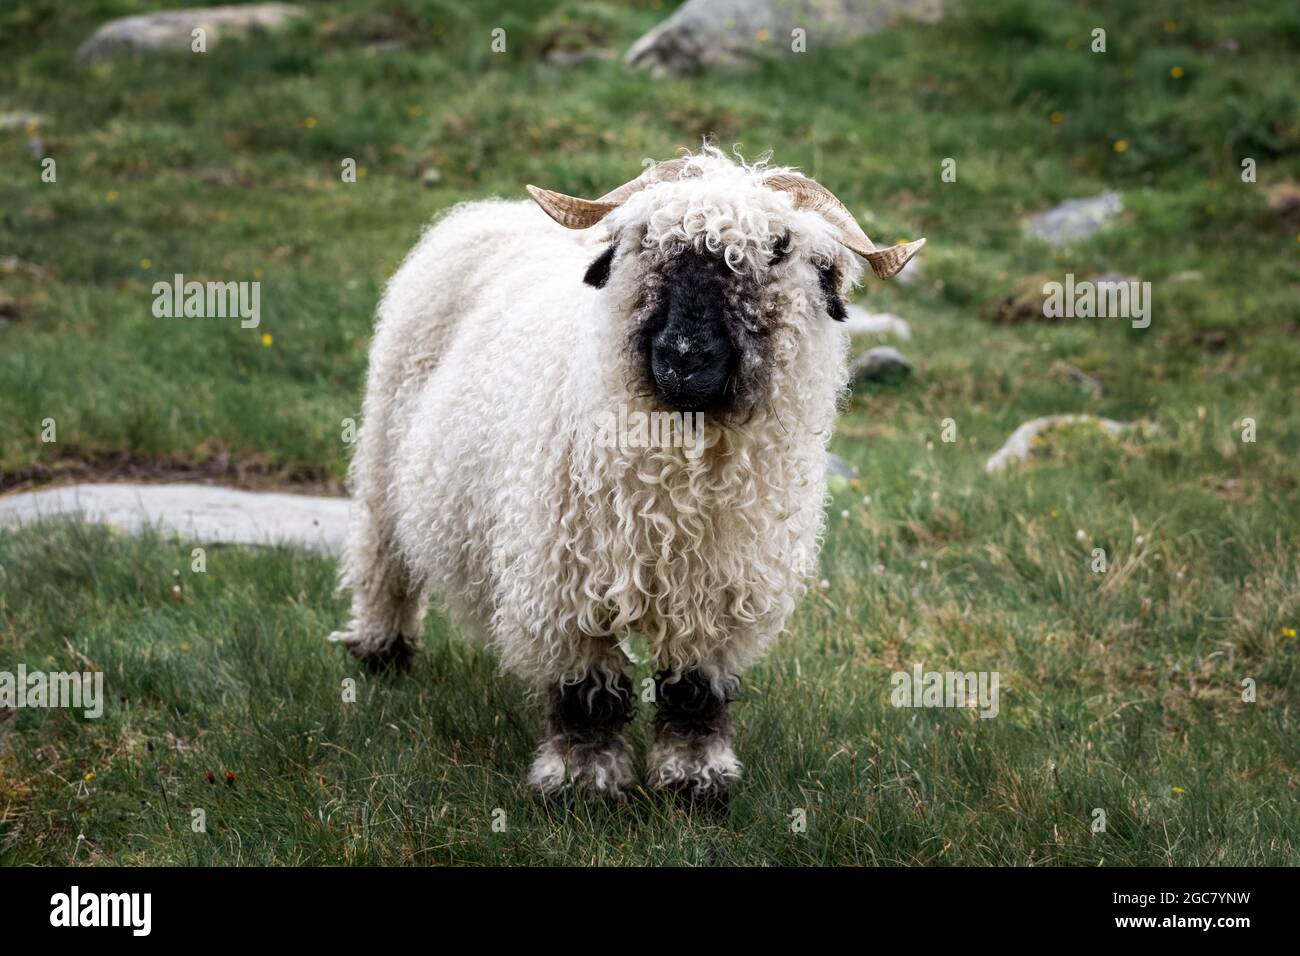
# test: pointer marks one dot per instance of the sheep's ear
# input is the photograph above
(598, 272)
(830, 283)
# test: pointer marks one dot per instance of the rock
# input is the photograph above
(578, 33)
(1076, 376)
(21, 120)
(837, 467)
(205, 513)
(733, 34)
(1024, 303)
(1019, 446)
(839, 471)
(12, 309)
(840, 475)
(7, 723)
(1075, 219)
(1284, 202)
(884, 363)
(860, 321)
(562, 56)
(172, 30)
(1028, 300)
(12, 264)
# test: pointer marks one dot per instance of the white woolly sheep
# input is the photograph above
(484, 473)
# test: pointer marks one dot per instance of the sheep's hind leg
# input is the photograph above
(691, 750)
(584, 749)
(387, 605)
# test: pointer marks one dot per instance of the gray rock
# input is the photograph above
(860, 321)
(204, 513)
(21, 120)
(1076, 376)
(837, 467)
(884, 363)
(732, 34)
(1075, 219)
(12, 264)
(562, 56)
(172, 30)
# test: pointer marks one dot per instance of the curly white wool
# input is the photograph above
(478, 470)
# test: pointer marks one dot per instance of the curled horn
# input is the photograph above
(885, 263)
(574, 213)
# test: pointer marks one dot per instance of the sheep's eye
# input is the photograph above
(829, 277)
(780, 250)
(598, 272)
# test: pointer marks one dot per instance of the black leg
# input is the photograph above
(584, 746)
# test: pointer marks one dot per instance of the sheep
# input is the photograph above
(504, 344)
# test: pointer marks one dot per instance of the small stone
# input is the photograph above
(884, 363)
(1284, 201)
(21, 120)
(1075, 219)
(1076, 376)
(840, 468)
(860, 321)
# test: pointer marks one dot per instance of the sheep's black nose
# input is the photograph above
(691, 371)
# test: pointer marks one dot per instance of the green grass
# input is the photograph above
(1117, 688)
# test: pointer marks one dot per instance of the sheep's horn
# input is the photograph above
(575, 213)
(808, 194)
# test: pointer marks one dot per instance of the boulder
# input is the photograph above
(172, 30)
(733, 34)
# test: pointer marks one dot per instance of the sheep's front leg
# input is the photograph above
(584, 748)
(691, 750)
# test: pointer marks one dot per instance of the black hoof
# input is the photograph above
(397, 654)
(707, 800)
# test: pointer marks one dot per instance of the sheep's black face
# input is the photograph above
(689, 354)
(695, 340)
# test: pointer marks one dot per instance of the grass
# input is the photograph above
(1120, 690)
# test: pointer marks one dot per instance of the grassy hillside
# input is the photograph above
(1120, 690)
